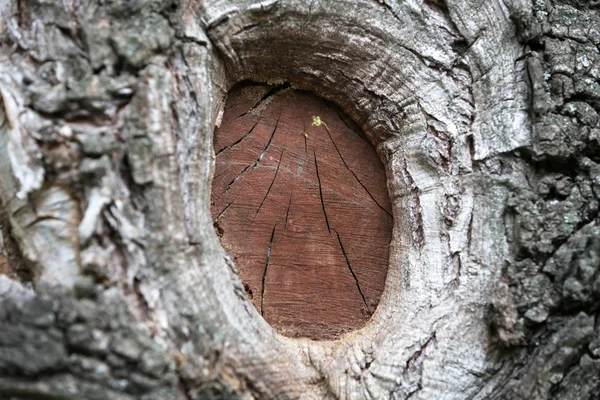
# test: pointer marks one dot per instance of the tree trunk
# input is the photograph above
(484, 115)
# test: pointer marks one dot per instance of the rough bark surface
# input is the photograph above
(484, 114)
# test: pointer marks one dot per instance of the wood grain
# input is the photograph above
(302, 209)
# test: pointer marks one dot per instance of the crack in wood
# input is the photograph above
(270, 93)
(271, 185)
(264, 276)
(352, 129)
(231, 146)
(258, 160)
(305, 140)
(287, 213)
(351, 270)
(223, 212)
(321, 194)
(222, 173)
(353, 174)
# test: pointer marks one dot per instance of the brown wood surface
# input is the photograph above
(303, 210)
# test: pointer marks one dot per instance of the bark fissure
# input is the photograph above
(419, 232)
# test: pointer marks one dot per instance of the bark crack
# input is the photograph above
(419, 233)
(45, 218)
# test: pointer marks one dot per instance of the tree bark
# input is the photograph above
(484, 114)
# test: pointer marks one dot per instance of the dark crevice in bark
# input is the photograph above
(417, 390)
(231, 146)
(461, 44)
(321, 194)
(247, 28)
(457, 269)
(264, 277)
(419, 232)
(417, 354)
(271, 185)
(470, 231)
(352, 271)
(308, 15)
(184, 389)
(44, 218)
(258, 160)
(414, 367)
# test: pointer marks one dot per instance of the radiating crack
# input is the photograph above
(223, 212)
(350, 128)
(231, 146)
(305, 140)
(287, 213)
(321, 194)
(222, 173)
(264, 277)
(258, 160)
(272, 182)
(355, 177)
(270, 93)
(351, 270)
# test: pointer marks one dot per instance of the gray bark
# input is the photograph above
(483, 112)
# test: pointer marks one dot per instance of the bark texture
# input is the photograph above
(484, 114)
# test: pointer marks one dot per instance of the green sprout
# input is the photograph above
(318, 122)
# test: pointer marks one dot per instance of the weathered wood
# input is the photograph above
(484, 115)
(300, 202)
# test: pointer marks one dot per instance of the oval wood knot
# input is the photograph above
(300, 203)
